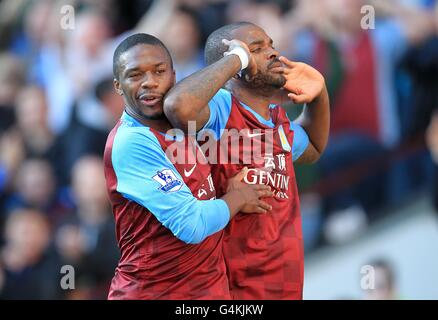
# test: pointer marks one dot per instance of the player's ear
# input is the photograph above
(117, 87)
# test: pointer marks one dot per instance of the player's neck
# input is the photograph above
(161, 125)
(256, 101)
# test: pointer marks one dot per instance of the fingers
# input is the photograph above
(231, 44)
(263, 191)
(240, 175)
(251, 68)
(264, 205)
(287, 62)
(226, 42)
(302, 98)
(259, 207)
(294, 97)
(265, 194)
(261, 187)
(293, 89)
(259, 210)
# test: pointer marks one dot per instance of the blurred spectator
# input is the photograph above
(111, 102)
(30, 269)
(11, 78)
(128, 13)
(266, 14)
(432, 142)
(364, 101)
(210, 14)
(359, 66)
(384, 282)
(64, 79)
(11, 155)
(86, 240)
(182, 38)
(421, 64)
(36, 188)
(93, 118)
(311, 213)
(86, 47)
(31, 114)
(28, 40)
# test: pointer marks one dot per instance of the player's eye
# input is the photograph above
(134, 75)
(256, 50)
(160, 71)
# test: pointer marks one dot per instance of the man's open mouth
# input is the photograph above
(150, 100)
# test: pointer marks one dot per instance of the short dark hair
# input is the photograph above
(214, 48)
(132, 41)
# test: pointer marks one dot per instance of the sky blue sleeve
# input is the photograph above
(301, 140)
(145, 175)
(220, 108)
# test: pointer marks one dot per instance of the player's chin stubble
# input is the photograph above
(152, 116)
(261, 80)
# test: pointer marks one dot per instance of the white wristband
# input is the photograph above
(242, 54)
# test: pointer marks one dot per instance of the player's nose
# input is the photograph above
(149, 81)
(273, 54)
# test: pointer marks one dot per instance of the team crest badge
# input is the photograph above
(168, 181)
(284, 143)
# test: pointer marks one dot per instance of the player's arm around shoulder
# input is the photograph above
(189, 99)
(146, 176)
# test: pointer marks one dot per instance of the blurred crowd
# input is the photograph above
(57, 105)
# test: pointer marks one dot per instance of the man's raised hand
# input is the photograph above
(303, 82)
(240, 48)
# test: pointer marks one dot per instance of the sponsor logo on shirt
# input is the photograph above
(284, 143)
(168, 181)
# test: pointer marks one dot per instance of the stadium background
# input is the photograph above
(371, 200)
